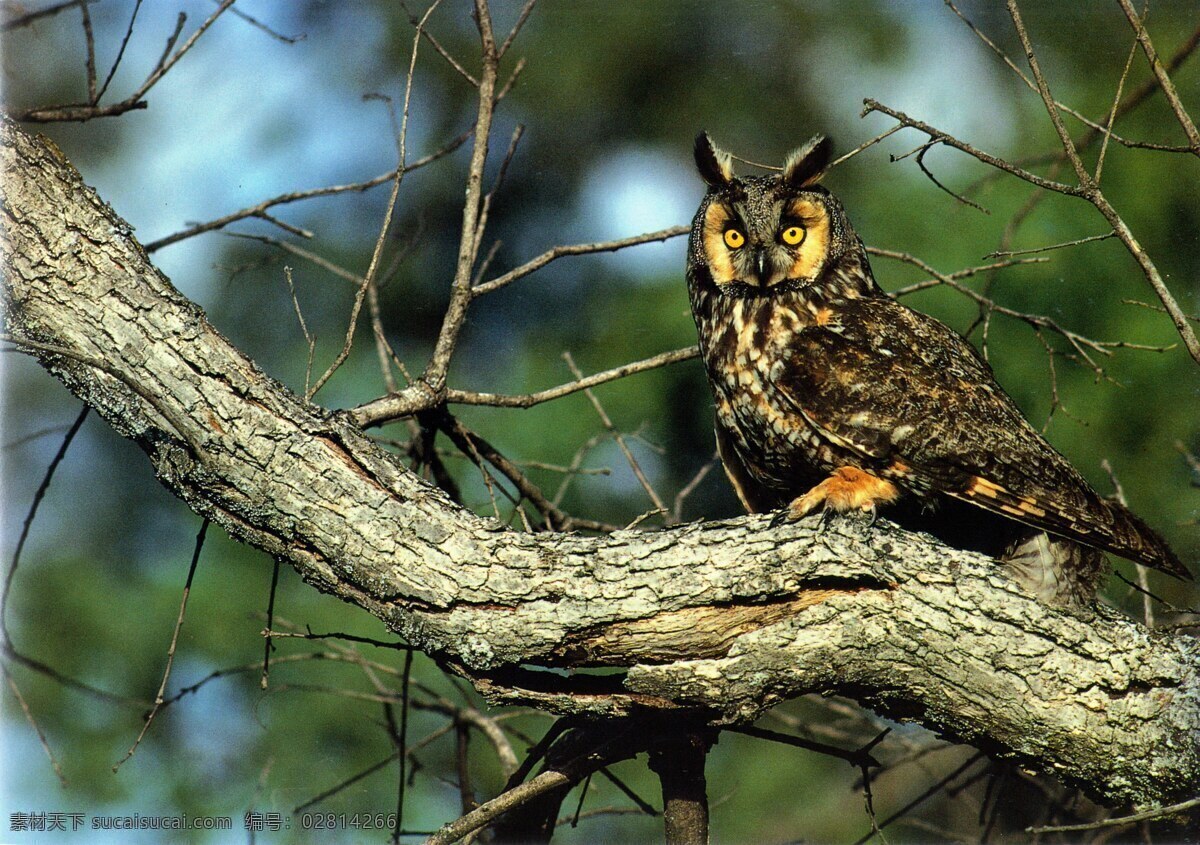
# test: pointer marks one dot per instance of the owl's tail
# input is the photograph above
(1055, 569)
(1130, 537)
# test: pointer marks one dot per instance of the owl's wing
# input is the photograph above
(915, 402)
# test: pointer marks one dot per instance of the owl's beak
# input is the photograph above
(759, 257)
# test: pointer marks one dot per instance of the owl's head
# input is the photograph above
(763, 231)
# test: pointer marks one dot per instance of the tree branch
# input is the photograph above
(721, 619)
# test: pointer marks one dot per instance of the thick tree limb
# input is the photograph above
(724, 619)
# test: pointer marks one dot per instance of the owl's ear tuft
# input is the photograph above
(806, 165)
(715, 165)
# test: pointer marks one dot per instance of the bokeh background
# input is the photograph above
(611, 96)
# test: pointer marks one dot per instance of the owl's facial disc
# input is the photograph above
(762, 241)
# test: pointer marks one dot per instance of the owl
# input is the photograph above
(831, 394)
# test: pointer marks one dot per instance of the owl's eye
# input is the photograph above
(734, 238)
(792, 235)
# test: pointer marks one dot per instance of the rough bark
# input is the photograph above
(724, 618)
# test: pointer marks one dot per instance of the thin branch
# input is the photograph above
(309, 340)
(259, 209)
(1121, 821)
(41, 735)
(1005, 253)
(1112, 112)
(861, 147)
(528, 400)
(418, 398)
(1143, 579)
(268, 643)
(929, 174)
(387, 216)
(923, 797)
(402, 742)
(1160, 73)
(489, 811)
(690, 487)
(162, 687)
(460, 288)
(480, 450)
(441, 51)
(524, 16)
(26, 19)
(1087, 189)
(259, 25)
(1095, 129)
(341, 785)
(1043, 88)
(659, 505)
(575, 249)
(957, 275)
(870, 105)
(112, 70)
(31, 515)
(89, 39)
(168, 60)
(857, 758)
(1084, 346)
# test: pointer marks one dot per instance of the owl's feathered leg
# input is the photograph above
(1054, 569)
(847, 489)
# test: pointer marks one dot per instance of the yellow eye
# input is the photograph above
(792, 235)
(734, 239)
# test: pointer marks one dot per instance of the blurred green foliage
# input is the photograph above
(610, 98)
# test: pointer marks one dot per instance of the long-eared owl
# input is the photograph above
(830, 393)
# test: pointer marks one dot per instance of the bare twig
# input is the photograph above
(259, 25)
(870, 105)
(387, 217)
(575, 249)
(487, 812)
(480, 450)
(863, 146)
(168, 60)
(659, 505)
(41, 735)
(922, 798)
(402, 742)
(162, 687)
(1005, 253)
(1143, 579)
(112, 70)
(524, 16)
(18, 21)
(857, 758)
(413, 400)
(89, 39)
(460, 289)
(259, 209)
(1112, 113)
(441, 51)
(690, 487)
(1085, 347)
(268, 643)
(31, 515)
(1160, 73)
(309, 340)
(1121, 821)
(1086, 189)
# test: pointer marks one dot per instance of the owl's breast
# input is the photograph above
(745, 350)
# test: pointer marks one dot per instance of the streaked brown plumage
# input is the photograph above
(830, 393)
